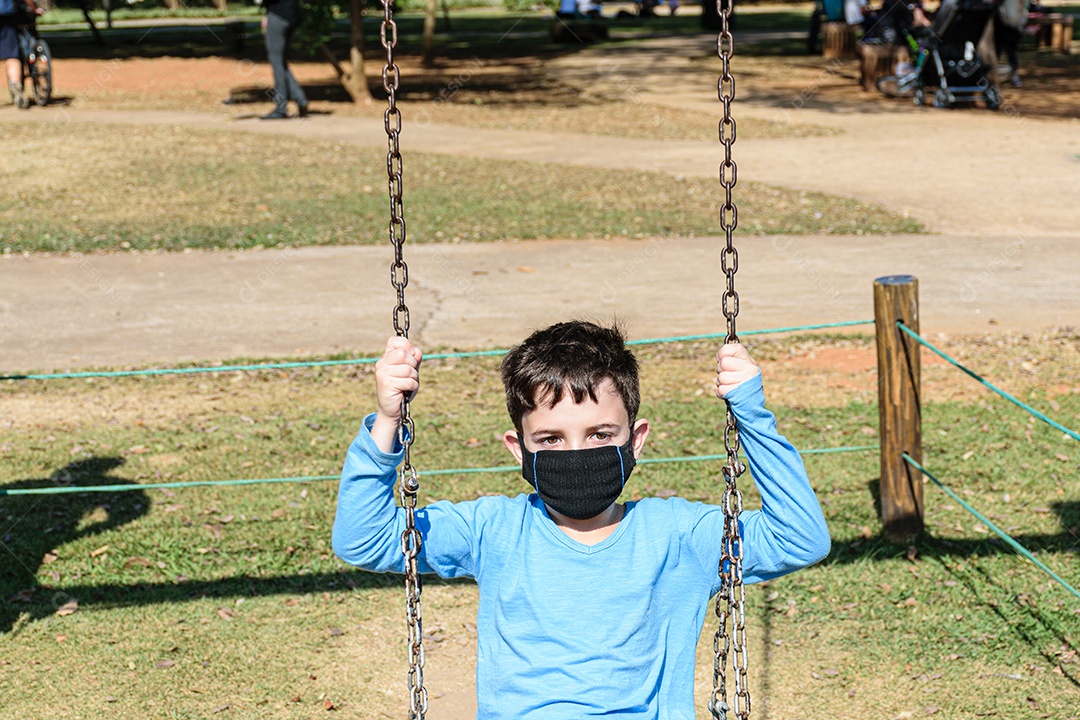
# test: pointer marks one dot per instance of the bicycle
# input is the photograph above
(36, 60)
(908, 84)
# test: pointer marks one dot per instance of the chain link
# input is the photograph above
(408, 480)
(730, 637)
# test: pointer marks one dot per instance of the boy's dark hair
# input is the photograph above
(575, 356)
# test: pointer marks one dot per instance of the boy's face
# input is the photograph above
(578, 426)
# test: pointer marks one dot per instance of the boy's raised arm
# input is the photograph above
(368, 525)
(789, 532)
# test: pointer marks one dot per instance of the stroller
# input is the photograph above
(961, 62)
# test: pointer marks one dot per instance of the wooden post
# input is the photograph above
(838, 40)
(427, 55)
(896, 297)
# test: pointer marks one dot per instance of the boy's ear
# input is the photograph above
(639, 435)
(513, 444)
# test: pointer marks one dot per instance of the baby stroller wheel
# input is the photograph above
(897, 86)
(942, 98)
(920, 97)
(993, 98)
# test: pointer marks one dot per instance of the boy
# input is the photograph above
(587, 606)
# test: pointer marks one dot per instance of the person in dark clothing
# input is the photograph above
(1009, 22)
(282, 19)
(9, 47)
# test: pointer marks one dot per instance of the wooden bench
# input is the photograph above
(1052, 32)
(876, 60)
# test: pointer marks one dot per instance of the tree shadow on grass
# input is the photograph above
(34, 526)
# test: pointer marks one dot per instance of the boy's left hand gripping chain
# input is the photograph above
(399, 278)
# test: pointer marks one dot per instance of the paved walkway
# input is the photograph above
(63, 312)
(998, 192)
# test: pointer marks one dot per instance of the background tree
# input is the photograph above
(314, 36)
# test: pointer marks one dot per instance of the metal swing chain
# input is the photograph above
(408, 481)
(730, 599)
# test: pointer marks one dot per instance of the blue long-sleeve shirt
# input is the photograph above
(567, 630)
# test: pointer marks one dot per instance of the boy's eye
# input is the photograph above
(549, 440)
(602, 435)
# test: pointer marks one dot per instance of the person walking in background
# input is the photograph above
(1009, 21)
(9, 47)
(282, 19)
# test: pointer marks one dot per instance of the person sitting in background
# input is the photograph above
(855, 11)
(898, 17)
(9, 47)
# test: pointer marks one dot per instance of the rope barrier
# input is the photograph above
(323, 478)
(997, 531)
(368, 361)
(971, 373)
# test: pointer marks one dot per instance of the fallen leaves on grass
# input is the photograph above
(68, 608)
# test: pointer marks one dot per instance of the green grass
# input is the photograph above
(63, 16)
(91, 187)
(191, 600)
(472, 32)
(141, 11)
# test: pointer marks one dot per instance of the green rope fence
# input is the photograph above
(368, 361)
(323, 478)
(994, 528)
(971, 373)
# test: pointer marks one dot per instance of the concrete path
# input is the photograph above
(78, 311)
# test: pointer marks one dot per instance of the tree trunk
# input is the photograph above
(710, 14)
(428, 57)
(354, 79)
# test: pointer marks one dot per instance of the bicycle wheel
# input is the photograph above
(41, 73)
(897, 86)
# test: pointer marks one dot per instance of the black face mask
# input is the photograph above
(579, 484)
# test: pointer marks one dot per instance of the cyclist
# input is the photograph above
(9, 47)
